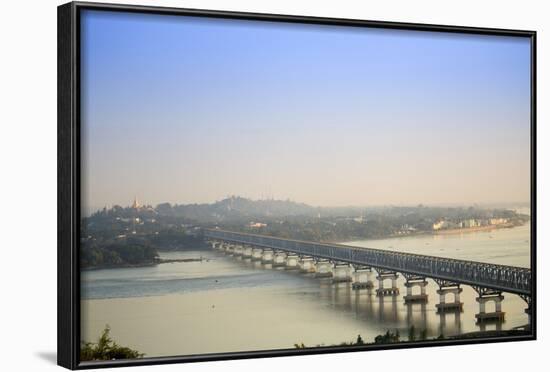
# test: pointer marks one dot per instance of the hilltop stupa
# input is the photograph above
(135, 204)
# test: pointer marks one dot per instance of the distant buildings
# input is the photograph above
(498, 221)
(406, 229)
(468, 223)
(439, 225)
(138, 207)
(256, 225)
(446, 224)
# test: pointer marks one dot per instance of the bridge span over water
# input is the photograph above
(336, 261)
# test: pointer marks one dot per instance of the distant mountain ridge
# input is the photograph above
(237, 210)
(169, 226)
(236, 207)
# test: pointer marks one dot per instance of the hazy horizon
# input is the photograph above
(129, 203)
(190, 110)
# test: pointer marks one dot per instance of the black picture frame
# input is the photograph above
(68, 338)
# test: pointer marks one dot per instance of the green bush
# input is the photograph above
(106, 349)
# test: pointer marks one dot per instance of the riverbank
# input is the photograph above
(145, 264)
(466, 230)
(175, 260)
(421, 234)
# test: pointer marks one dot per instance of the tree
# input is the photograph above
(106, 349)
(387, 338)
(359, 340)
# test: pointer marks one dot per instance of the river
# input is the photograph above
(227, 304)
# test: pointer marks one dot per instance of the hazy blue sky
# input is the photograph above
(185, 110)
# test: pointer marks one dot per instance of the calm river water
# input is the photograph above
(225, 304)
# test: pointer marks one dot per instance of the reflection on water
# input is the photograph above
(225, 304)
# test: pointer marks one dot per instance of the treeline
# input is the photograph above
(116, 254)
(134, 250)
(377, 224)
(390, 337)
(326, 229)
(393, 337)
(174, 240)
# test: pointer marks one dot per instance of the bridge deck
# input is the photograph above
(500, 277)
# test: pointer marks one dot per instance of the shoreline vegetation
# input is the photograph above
(106, 349)
(394, 337)
(158, 261)
(466, 230)
(133, 236)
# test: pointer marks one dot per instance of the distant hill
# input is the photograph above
(238, 211)
(174, 227)
(236, 208)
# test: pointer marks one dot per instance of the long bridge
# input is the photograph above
(337, 261)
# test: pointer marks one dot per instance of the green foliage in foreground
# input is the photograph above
(387, 338)
(106, 349)
(359, 341)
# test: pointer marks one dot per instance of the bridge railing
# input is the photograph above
(500, 277)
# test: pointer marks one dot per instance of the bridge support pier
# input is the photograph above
(382, 275)
(508, 279)
(307, 265)
(446, 287)
(415, 281)
(230, 249)
(247, 251)
(341, 272)
(279, 259)
(257, 254)
(238, 250)
(292, 262)
(362, 278)
(323, 268)
(267, 256)
(488, 295)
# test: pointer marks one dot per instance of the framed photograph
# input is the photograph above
(237, 185)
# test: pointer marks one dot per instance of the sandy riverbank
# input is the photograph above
(466, 230)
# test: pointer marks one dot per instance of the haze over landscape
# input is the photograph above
(259, 186)
(354, 117)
